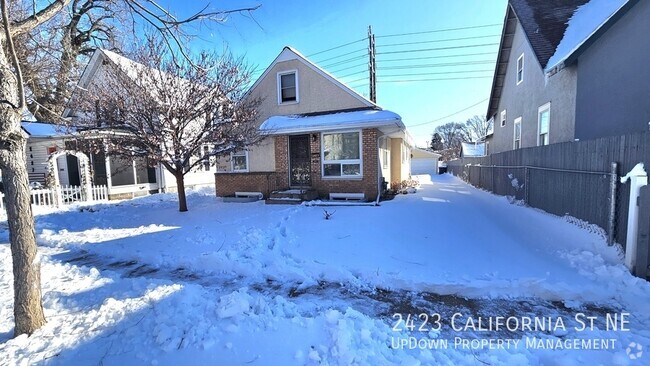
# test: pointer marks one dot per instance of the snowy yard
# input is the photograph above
(136, 282)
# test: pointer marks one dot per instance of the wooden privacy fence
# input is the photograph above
(68, 194)
(578, 178)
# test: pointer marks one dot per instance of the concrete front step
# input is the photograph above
(292, 196)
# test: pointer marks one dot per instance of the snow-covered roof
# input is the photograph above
(42, 129)
(334, 121)
(584, 23)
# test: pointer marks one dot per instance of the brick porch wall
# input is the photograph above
(266, 182)
(366, 185)
(227, 184)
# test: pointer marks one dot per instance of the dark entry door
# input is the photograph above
(73, 170)
(299, 161)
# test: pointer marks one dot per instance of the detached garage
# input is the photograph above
(424, 161)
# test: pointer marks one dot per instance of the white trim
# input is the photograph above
(279, 86)
(350, 161)
(232, 166)
(503, 118)
(542, 108)
(289, 53)
(517, 121)
(522, 69)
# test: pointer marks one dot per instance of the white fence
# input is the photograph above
(68, 194)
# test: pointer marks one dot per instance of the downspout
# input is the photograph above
(379, 170)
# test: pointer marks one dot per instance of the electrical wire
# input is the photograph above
(439, 48)
(437, 41)
(449, 115)
(434, 73)
(343, 54)
(438, 79)
(439, 30)
(348, 68)
(337, 47)
(433, 57)
(345, 61)
(444, 64)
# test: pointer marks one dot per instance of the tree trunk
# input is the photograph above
(28, 308)
(180, 185)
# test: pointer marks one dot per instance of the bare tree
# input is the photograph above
(436, 142)
(178, 113)
(477, 128)
(28, 309)
(453, 134)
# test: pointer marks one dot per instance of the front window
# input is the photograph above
(520, 69)
(544, 119)
(239, 161)
(503, 118)
(517, 133)
(342, 154)
(287, 87)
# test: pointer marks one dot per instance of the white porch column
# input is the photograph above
(109, 180)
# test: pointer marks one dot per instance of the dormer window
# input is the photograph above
(288, 87)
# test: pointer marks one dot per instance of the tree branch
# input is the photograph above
(13, 56)
(29, 23)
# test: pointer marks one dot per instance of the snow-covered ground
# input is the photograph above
(136, 282)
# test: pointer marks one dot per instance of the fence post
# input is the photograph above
(526, 183)
(643, 241)
(611, 219)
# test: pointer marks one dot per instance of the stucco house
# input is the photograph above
(570, 70)
(322, 137)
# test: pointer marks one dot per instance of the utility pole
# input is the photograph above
(372, 69)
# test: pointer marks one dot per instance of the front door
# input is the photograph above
(299, 161)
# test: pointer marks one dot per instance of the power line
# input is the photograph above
(342, 62)
(337, 47)
(435, 73)
(438, 79)
(354, 73)
(439, 48)
(343, 54)
(449, 115)
(348, 68)
(444, 64)
(442, 56)
(439, 30)
(437, 40)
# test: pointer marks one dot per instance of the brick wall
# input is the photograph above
(366, 185)
(227, 184)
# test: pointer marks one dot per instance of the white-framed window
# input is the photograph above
(385, 153)
(502, 118)
(341, 154)
(543, 124)
(239, 161)
(405, 153)
(288, 87)
(517, 133)
(520, 69)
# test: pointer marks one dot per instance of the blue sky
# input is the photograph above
(465, 55)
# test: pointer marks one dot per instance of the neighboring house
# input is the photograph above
(43, 140)
(133, 177)
(321, 136)
(570, 70)
(424, 161)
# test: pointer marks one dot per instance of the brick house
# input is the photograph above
(321, 137)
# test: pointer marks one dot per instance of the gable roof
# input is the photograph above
(289, 53)
(546, 25)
